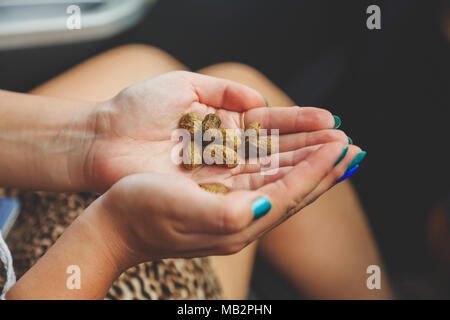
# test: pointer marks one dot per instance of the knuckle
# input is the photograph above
(316, 114)
(340, 135)
(332, 135)
(355, 150)
(338, 146)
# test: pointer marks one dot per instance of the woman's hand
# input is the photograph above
(64, 145)
(151, 216)
(133, 130)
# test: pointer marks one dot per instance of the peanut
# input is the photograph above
(191, 122)
(211, 121)
(262, 145)
(214, 187)
(220, 155)
(255, 126)
(193, 159)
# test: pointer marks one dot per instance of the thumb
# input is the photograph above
(226, 94)
(224, 214)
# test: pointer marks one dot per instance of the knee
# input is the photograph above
(136, 49)
(233, 70)
(251, 77)
(144, 54)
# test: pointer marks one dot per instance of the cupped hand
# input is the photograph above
(134, 129)
(151, 216)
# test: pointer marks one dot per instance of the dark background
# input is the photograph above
(390, 87)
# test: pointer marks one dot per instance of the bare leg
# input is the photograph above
(103, 76)
(326, 249)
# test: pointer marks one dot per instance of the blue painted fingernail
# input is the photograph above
(260, 207)
(348, 174)
(356, 160)
(337, 122)
(350, 141)
(344, 152)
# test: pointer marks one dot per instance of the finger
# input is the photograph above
(293, 148)
(333, 176)
(311, 170)
(190, 208)
(319, 170)
(325, 183)
(279, 160)
(294, 141)
(204, 212)
(226, 94)
(290, 120)
(254, 181)
(287, 193)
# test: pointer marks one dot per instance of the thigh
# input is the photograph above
(251, 77)
(106, 74)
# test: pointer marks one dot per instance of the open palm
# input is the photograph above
(134, 129)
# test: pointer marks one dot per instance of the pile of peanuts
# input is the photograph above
(194, 123)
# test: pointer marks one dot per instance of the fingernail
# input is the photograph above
(348, 174)
(260, 207)
(267, 102)
(356, 160)
(350, 141)
(337, 122)
(344, 152)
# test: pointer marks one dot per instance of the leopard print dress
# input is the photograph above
(44, 217)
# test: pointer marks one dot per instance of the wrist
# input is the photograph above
(82, 246)
(71, 147)
(109, 232)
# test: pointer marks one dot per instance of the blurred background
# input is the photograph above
(390, 87)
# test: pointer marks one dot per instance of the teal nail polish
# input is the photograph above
(337, 122)
(260, 207)
(344, 152)
(350, 141)
(267, 102)
(356, 160)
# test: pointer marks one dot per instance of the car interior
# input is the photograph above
(317, 53)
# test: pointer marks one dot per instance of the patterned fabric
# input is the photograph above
(45, 216)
